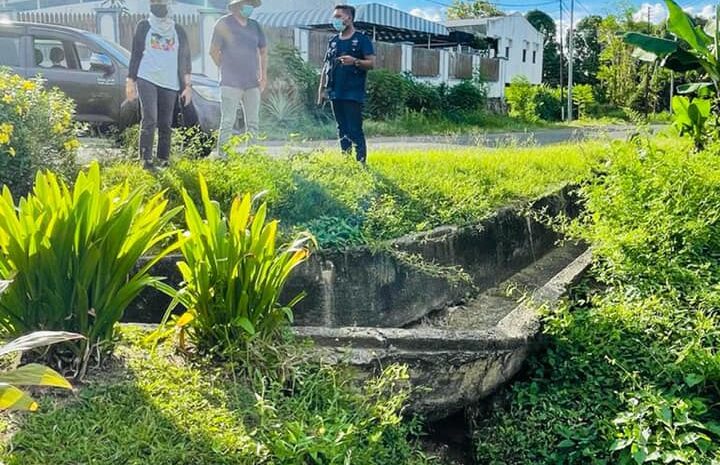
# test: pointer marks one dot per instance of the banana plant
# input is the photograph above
(11, 396)
(691, 116)
(693, 49)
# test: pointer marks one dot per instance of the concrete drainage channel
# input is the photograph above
(457, 305)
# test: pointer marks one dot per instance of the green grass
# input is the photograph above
(401, 191)
(161, 409)
(630, 373)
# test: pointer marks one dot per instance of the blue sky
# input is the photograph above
(435, 9)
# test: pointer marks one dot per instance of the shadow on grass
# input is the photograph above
(146, 413)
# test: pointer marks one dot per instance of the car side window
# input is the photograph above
(50, 53)
(9, 50)
(83, 53)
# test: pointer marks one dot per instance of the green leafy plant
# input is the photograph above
(583, 97)
(467, 95)
(282, 107)
(36, 132)
(72, 255)
(234, 273)
(14, 398)
(520, 97)
(386, 94)
(690, 117)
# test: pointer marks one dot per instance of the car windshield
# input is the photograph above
(120, 53)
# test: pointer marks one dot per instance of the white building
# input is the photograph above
(517, 43)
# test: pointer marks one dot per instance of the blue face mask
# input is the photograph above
(338, 24)
(247, 10)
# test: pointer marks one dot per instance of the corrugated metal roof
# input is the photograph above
(374, 13)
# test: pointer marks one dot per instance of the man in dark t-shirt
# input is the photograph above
(349, 57)
(239, 49)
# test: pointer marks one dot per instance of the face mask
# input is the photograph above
(338, 24)
(159, 11)
(247, 10)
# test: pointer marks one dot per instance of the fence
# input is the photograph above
(461, 66)
(85, 21)
(490, 69)
(388, 56)
(425, 63)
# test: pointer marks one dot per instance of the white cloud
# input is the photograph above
(658, 13)
(431, 14)
(707, 11)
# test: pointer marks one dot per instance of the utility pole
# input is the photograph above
(570, 61)
(562, 53)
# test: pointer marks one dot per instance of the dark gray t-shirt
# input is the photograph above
(239, 45)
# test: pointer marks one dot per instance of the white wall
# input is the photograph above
(517, 34)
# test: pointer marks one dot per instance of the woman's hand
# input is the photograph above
(130, 90)
(186, 96)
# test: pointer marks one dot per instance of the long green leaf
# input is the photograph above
(34, 375)
(38, 339)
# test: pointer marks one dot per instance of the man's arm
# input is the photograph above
(216, 45)
(366, 63)
(215, 54)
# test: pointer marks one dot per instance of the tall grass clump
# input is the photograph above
(71, 254)
(233, 273)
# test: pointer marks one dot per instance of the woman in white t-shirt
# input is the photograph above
(160, 69)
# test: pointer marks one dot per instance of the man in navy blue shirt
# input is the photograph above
(349, 57)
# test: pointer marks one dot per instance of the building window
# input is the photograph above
(507, 52)
(524, 55)
(534, 56)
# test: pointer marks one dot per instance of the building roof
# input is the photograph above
(375, 14)
(479, 26)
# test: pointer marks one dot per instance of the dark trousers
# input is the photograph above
(157, 105)
(348, 115)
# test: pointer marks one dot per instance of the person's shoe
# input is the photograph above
(163, 163)
(148, 165)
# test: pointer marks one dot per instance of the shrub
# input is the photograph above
(71, 255)
(36, 132)
(583, 98)
(521, 98)
(423, 97)
(466, 96)
(234, 274)
(286, 65)
(548, 103)
(386, 94)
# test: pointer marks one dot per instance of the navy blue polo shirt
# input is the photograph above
(348, 81)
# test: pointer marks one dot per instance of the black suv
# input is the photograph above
(91, 70)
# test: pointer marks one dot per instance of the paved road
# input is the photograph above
(93, 148)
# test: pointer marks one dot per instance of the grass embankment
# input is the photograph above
(401, 191)
(631, 371)
(161, 409)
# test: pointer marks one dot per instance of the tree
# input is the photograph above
(551, 50)
(586, 56)
(461, 9)
(617, 73)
